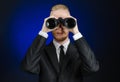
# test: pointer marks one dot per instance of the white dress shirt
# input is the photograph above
(57, 45)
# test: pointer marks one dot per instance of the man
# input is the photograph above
(77, 58)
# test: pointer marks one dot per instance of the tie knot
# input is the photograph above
(61, 47)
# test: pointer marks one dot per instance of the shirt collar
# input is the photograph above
(57, 45)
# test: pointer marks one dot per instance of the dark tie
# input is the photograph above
(61, 56)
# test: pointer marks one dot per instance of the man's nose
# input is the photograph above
(60, 27)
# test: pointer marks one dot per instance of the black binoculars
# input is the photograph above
(67, 22)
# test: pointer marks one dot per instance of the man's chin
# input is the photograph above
(60, 39)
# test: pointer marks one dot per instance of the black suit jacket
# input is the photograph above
(41, 59)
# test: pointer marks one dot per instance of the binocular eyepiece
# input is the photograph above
(67, 22)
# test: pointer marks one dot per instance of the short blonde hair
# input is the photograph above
(59, 6)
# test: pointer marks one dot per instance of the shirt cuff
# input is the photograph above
(44, 34)
(77, 36)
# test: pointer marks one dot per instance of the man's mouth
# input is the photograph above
(60, 33)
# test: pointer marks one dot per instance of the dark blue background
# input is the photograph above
(21, 21)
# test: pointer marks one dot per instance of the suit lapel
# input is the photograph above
(71, 54)
(51, 51)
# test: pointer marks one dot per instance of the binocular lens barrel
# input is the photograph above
(67, 22)
(51, 23)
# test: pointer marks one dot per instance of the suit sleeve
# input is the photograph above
(89, 62)
(30, 63)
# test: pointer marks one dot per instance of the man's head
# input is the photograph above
(60, 33)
